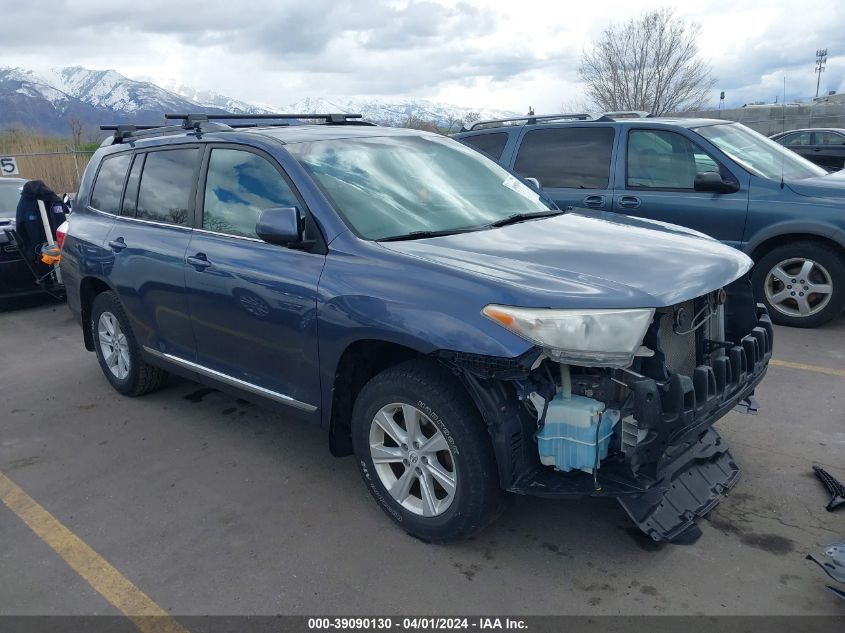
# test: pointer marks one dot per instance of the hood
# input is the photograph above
(588, 260)
(827, 186)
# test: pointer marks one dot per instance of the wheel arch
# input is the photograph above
(358, 363)
(89, 288)
(758, 249)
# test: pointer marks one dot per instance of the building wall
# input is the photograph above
(770, 119)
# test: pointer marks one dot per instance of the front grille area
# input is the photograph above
(679, 349)
(682, 350)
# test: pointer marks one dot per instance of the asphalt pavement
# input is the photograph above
(207, 504)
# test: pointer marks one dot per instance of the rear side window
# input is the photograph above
(167, 183)
(571, 157)
(829, 138)
(109, 184)
(239, 186)
(491, 144)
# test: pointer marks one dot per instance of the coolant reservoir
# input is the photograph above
(568, 438)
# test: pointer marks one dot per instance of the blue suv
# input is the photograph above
(440, 318)
(714, 176)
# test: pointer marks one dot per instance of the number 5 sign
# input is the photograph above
(8, 166)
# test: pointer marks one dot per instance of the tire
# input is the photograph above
(781, 292)
(449, 421)
(121, 362)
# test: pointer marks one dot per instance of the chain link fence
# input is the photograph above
(60, 170)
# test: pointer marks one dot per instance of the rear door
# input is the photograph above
(253, 305)
(828, 149)
(572, 163)
(799, 142)
(148, 241)
(656, 182)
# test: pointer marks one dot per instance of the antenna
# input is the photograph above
(783, 129)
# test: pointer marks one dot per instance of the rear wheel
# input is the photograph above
(424, 452)
(802, 284)
(118, 351)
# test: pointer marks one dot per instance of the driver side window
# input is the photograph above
(660, 159)
(239, 186)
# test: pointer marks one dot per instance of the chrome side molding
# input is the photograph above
(232, 381)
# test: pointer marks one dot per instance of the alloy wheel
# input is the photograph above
(413, 459)
(113, 345)
(798, 287)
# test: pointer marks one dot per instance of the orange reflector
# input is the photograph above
(502, 317)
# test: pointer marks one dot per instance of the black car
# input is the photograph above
(823, 146)
(15, 277)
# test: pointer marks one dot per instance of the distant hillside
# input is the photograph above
(47, 101)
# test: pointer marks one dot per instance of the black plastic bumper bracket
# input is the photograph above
(690, 488)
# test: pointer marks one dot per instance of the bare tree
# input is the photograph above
(649, 63)
(76, 129)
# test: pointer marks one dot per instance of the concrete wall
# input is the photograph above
(770, 119)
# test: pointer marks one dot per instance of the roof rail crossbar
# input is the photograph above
(122, 131)
(329, 118)
(532, 119)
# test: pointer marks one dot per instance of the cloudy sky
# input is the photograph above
(496, 54)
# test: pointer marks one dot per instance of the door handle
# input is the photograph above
(594, 201)
(198, 261)
(629, 202)
(117, 245)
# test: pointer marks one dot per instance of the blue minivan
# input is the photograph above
(713, 176)
(441, 319)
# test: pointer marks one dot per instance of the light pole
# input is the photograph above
(821, 58)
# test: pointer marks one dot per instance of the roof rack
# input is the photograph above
(193, 120)
(531, 119)
(204, 122)
(123, 132)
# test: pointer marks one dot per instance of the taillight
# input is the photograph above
(61, 232)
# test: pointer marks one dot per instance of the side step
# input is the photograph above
(690, 487)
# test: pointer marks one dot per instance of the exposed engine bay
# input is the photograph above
(641, 433)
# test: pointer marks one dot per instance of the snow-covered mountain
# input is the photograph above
(48, 101)
(401, 112)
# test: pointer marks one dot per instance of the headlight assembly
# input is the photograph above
(603, 338)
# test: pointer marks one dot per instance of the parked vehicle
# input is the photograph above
(15, 277)
(437, 316)
(822, 146)
(717, 177)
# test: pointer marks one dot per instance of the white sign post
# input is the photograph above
(8, 166)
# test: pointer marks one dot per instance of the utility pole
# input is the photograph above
(821, 58)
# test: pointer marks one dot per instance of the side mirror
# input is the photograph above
(534, 182)
(280, 225)
(712, 181)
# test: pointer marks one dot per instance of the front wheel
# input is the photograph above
(424, 452)
(801, 284)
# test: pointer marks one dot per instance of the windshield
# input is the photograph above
(759, 155)
(9, 196)
(392, 186)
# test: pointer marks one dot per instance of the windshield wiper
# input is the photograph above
(419, 235)
(521, 217)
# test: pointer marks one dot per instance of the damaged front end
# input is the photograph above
(642, 432)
